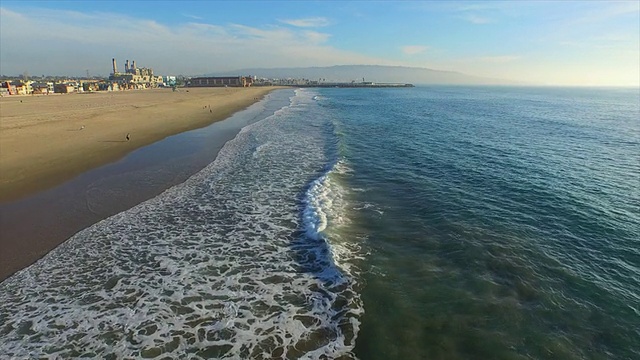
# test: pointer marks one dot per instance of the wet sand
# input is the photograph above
(33, 221)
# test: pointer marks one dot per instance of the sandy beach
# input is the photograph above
(53, 148)
(45, 140)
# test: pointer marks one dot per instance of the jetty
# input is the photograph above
(364, 84)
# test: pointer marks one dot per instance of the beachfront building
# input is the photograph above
(63, 88)
(221, 81)
(108, 86)
(20, 87)
(91, 86)
(170, 80)
(17, 87)
(10, 88)
(42, 88)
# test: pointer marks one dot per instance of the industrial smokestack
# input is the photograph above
(126, 66)
(134, 65)
(115, 69)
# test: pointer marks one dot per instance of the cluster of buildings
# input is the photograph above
(30, 87)
(132, 78)
(142, 78)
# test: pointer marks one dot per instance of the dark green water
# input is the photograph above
(502, 223)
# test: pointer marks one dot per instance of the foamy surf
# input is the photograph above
(218, 267)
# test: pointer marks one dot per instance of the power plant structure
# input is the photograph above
(134, 77)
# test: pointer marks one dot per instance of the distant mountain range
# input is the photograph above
(374, 73)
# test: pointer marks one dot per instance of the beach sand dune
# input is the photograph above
(47, 139)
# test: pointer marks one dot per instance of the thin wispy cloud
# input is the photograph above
(414, 49)
(474, 7)
(613, 37)
(596, 25)
(274, 33)
(307, 22)
(204, 28)
(499, 6)
(499, 59)
(316, 37)
(487, 12)
(605, 42)
(606, 12)
(192, 16)
(476, 19)
(11, 14)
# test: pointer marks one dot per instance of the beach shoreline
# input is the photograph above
(46, 140)
(42, 216)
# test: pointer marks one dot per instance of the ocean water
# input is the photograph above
(417, 223)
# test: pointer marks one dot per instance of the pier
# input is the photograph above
(355, 85)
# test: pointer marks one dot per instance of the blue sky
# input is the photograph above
(556, 43)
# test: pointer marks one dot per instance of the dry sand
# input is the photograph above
(47, 139)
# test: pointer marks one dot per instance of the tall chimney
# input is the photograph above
(115, 69)
(126, 66)
(134, 65)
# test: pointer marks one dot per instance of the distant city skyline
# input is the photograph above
(546, 43)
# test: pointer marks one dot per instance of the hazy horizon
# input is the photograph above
(539, 43)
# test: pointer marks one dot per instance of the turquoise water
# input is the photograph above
(419, 223)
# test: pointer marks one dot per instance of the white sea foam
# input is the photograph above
(325, 207)
(221, 266)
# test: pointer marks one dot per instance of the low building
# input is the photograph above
(221, 81)
(41, 88)
(63, 88)
(11, 88)
(169, 80)
(17, 87)
(90, 86)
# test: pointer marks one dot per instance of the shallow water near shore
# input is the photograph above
(439, 223)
